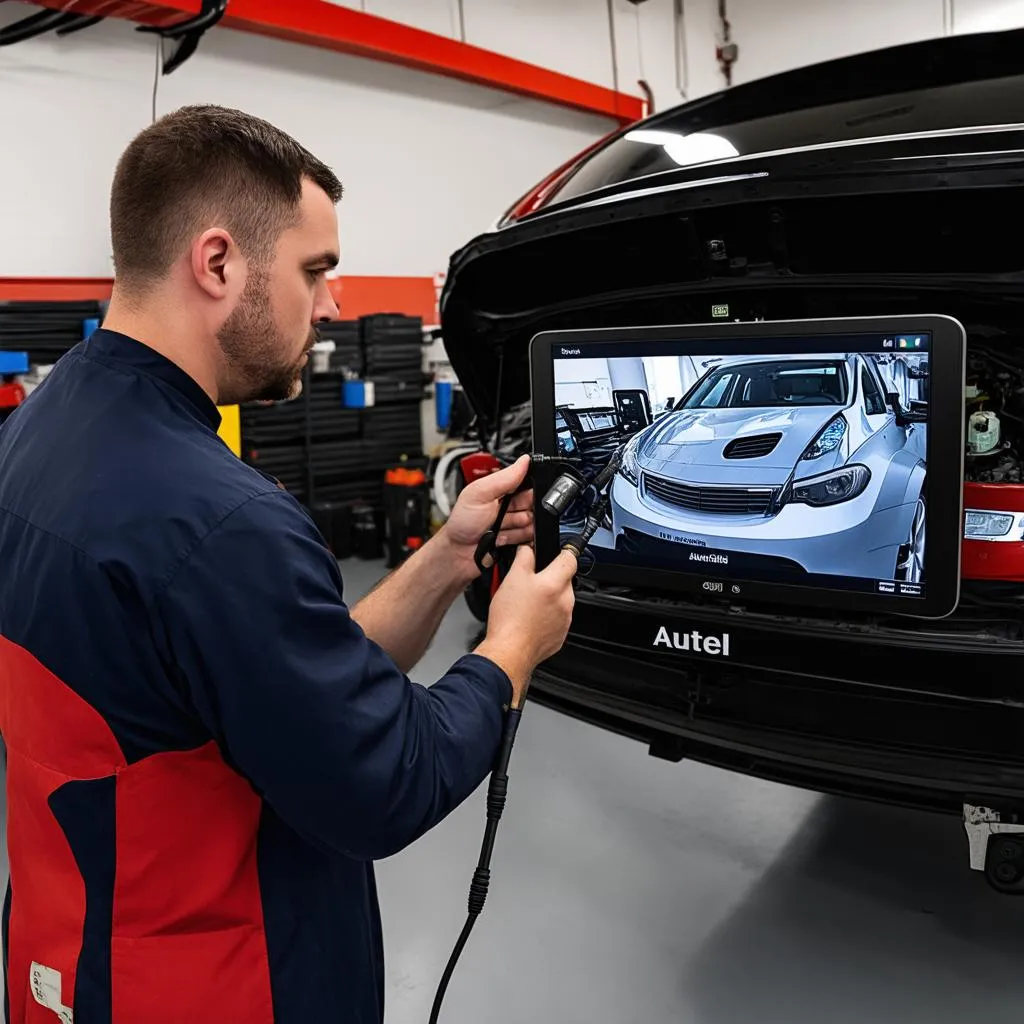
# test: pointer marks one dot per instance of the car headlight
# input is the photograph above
(832, 488)
(828, 440)
(981, 525)
(629, 468)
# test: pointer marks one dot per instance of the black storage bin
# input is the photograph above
(396, 430)
(327, 454)
(366, 541)
(280, 423)
(391, 329)
(394, 359)
(345, 458)
(365, 490)
(334, 521)
(391, 389)
(46, 330)
(348, 347)
(406, 512)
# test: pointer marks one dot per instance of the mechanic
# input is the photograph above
(206, 749)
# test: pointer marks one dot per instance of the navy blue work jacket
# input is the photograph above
(205, 752)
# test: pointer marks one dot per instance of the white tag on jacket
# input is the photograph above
(46, 989)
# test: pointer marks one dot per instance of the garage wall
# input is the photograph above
(427, 162)
(583, 383)
(777, 36)
(572, 36)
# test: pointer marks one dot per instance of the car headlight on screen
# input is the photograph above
(629, 468)
(832, 488)
(828, 440)
(981, 525)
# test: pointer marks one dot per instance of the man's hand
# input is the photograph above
(477, 508)
(529, 617)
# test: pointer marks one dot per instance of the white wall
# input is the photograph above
(583, 383)
(428, 162)
(572, 36)
(777, 36)
(774, 37)
(986, 15)
(441, 16)
(647, 47)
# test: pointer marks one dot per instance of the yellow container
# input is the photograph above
(231, 428)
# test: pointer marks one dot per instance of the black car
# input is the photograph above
(884, 183)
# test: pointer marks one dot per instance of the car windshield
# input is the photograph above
(770, 385)
(934, 85)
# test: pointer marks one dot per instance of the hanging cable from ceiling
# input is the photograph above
(727, 51)
(682, 56)
(158, 73)
(613, 43)
(639, 43)
(642, 82)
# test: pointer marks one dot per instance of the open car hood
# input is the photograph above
(883, 223)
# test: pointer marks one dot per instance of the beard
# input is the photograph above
(252, 346)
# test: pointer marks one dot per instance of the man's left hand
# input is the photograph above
(477, 508)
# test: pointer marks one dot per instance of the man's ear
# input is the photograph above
(215, 262)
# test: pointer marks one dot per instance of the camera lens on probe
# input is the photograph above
(562, 493)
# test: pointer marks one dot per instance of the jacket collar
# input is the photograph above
(119, 348)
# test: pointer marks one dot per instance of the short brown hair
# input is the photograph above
(199, 166)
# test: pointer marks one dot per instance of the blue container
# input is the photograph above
(357, 394)
(443, 403)
(14, 362)
(88, 327)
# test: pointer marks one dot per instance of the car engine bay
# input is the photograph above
(994, 400)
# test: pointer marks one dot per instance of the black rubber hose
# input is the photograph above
(497, 791)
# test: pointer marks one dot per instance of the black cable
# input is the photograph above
(497, 791)
(497, 408)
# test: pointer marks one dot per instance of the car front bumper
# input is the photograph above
(896, 713)
(848, 539)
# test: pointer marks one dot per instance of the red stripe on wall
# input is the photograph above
(356, 295)
(55, 289)
(361, 296)
(327, 25)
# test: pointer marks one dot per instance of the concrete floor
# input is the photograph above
(626, 889)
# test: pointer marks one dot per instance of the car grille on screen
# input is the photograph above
(722, 500)
(751, 447)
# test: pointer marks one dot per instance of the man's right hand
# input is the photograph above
(529, 617)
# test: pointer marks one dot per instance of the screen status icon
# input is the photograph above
(909, 342)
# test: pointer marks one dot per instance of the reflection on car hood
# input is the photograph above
(689, 445)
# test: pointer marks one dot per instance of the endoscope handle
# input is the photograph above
(488, 543)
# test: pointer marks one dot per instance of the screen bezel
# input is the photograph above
(943, 484)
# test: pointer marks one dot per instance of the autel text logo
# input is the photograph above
(694, 642)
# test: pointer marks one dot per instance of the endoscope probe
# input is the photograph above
(563, 492)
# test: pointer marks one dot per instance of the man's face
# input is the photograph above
(266, 341)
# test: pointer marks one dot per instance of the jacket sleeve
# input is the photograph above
(320, 720)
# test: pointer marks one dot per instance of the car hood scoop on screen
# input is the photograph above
(756, 447)
(709, 437)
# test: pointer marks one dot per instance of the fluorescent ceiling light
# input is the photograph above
(685, 150)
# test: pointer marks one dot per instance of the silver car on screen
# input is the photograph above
(802, 459)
